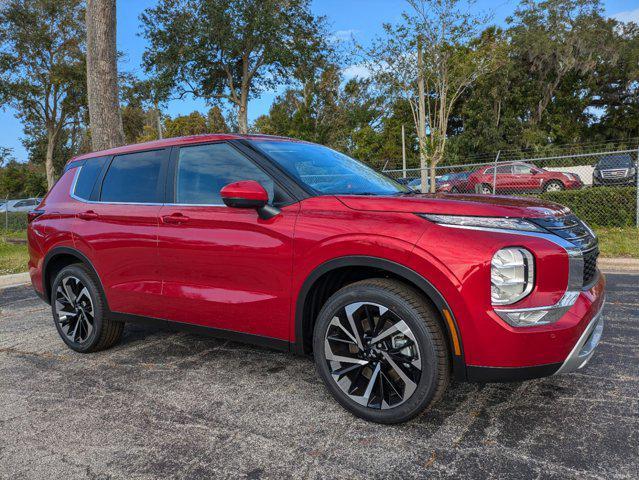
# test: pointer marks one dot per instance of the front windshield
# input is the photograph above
(327, 171)
(616, 161)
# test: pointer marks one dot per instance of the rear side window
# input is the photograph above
(134, 178)
(88, 175)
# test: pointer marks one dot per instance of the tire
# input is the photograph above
(485, 189)
(554, 186)
(87, 327)
(422, 348)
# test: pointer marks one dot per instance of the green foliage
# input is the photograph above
(229, 50)
(567, 75)
(20, 180)
(42, 70)
(13, 222)
(600, 206)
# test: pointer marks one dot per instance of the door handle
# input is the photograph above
(175, 219)
(88, 215)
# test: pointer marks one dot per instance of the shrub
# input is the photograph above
(600, 206)
(13, 221)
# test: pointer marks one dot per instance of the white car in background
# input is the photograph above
(21, 205)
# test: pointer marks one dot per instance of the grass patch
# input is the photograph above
(618, 242)
(13, 258)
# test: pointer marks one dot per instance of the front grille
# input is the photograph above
(614, 173)
(569, 227)
(590, 265)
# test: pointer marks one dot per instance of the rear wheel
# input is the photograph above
(380, 350)
(554, 186)
(485, 189)
(79, 311)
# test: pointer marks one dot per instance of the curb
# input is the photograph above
(615, 265)
(14, 280)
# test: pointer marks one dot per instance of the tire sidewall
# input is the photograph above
(98, 308)
(427, 385)
(554, 182)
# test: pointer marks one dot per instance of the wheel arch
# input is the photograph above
(58, 258)
(314, 292)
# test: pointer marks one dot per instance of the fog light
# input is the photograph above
(511, 275)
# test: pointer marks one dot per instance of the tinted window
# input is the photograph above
(203, 170)
(88, 175)
(133, 178)
(327, 171)
(616, 161)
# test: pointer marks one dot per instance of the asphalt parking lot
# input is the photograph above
(164, 404)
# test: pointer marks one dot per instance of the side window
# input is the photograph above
(203, 170)
(504, 169)
(21, 203)
(88, 175)
(523, 169)
(133, 178)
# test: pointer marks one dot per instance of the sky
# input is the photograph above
(359, 18)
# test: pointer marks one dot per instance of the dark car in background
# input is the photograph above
(619, 170)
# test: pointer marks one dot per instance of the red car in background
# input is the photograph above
(520, 178)
(454, 183)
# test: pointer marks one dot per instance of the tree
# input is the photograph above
(42, 65)
(229, 50)
(105, 118)
(430, 60)
(20, 180)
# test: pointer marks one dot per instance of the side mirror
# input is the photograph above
(248, 194)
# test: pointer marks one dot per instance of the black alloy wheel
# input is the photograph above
(381, 351)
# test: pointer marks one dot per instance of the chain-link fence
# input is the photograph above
(600, 187)
(14, 218)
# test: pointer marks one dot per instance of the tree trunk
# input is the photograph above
(242, 111)
(158, 118)
(48, 159)
(105, 118)
(421, 127)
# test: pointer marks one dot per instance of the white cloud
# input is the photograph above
(628, 16)
(356, 70)
(341, 36)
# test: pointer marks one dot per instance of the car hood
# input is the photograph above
(444, 204)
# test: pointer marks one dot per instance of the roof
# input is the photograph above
(177, 141)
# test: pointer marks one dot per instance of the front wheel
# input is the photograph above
(554, 186)
(381, 351)
(485, 189)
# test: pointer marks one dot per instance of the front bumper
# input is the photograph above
(585, 346)
(579, 356)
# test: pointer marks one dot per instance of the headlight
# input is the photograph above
(512, 275)
(632, 171)
(500, 223)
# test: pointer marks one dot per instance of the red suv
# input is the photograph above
(294, 246)
(512, 178)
